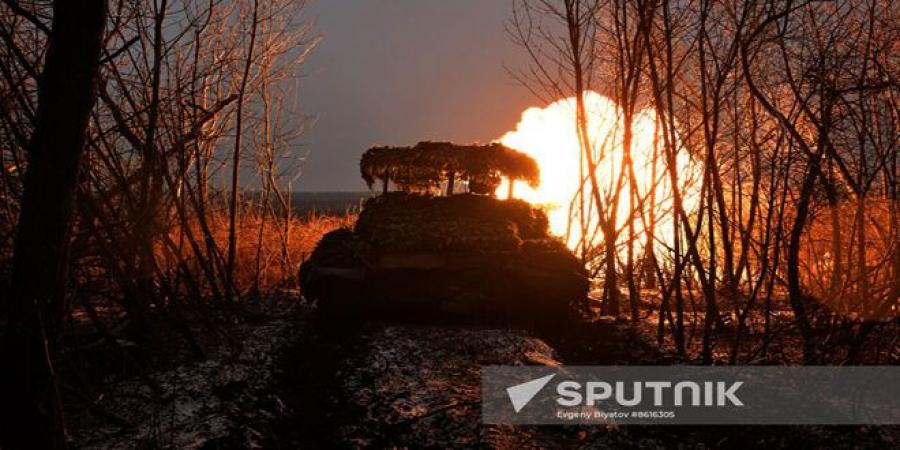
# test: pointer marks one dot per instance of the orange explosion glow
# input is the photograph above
(549, 136)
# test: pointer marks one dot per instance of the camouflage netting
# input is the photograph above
(424, 166)
(463, 258)
(406, 222)
(337, 249)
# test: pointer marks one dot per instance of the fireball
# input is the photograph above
(549, 136)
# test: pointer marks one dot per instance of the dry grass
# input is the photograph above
(268, 252)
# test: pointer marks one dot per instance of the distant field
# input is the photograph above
(329, 203)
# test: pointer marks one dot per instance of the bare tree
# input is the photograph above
(36, 306)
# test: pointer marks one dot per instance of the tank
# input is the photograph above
(461, 257)
(464, 258)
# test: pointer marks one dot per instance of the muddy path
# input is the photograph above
(401, 385)
(305, 385)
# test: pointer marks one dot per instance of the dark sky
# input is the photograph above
(395, 72)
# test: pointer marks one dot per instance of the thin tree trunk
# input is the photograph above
(451, 182)
(795, 291)
(236, 162)
(865, 303)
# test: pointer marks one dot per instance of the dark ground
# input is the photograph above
(402, 385)
(296, 382)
